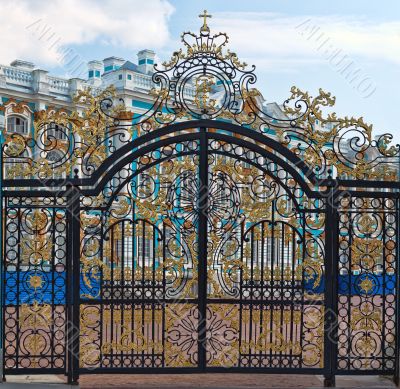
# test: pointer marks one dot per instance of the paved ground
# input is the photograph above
(185, 381)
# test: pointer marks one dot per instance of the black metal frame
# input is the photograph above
(73, 193)
(327, 212)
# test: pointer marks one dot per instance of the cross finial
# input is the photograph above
(205, 15)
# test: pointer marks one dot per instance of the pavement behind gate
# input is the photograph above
(185, 381)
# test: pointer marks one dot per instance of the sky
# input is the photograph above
(349, 48)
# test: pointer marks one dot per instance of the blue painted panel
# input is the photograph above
(348, 285)
(27, 294)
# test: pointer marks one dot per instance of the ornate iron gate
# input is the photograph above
(220, 276)
(208, 235)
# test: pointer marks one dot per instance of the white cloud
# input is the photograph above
(33, 29)
(285, 40)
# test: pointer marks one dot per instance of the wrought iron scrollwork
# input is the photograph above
(204, 80)
(242, 278)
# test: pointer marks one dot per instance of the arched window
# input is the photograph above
(55, 131)
(17, 124)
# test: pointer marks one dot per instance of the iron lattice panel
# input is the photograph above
(367, 286)
(35, 293)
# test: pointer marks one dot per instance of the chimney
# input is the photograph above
(112, 63)
(95, 69)
(146, 61)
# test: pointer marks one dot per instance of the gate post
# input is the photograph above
(396, 378)
(330, 316)
(2, 266)
(73, 283)
(202, 248)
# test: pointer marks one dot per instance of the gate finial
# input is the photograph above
(204, 28)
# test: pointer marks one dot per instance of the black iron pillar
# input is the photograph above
(396, 377)
(331, 257)
(202, 247)
(73, 271)
(2, 271)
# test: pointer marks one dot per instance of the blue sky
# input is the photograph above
(279, 37)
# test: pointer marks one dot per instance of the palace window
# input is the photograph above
(17, 124)
(145, 253)
(54, 131)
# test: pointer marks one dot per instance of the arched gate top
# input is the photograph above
(202, 81)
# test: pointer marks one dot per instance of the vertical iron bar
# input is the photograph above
(163, 305)
(68, 284)
(73, 269)
(396, 378)
(122, 280)
(272, 283)
(18, 288)
(350, 281)
(136, 257)
(53, 281)
(302, 287)
(330, 317)
(202, 247)
(69, 288)
(262, 292)
(384, 254)
(102, 290)
(282, 280)
(112, 305)
(2, 268)
(251, 291)
(292, 294)
(143, 295)
(241, 302)
(153, 296)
